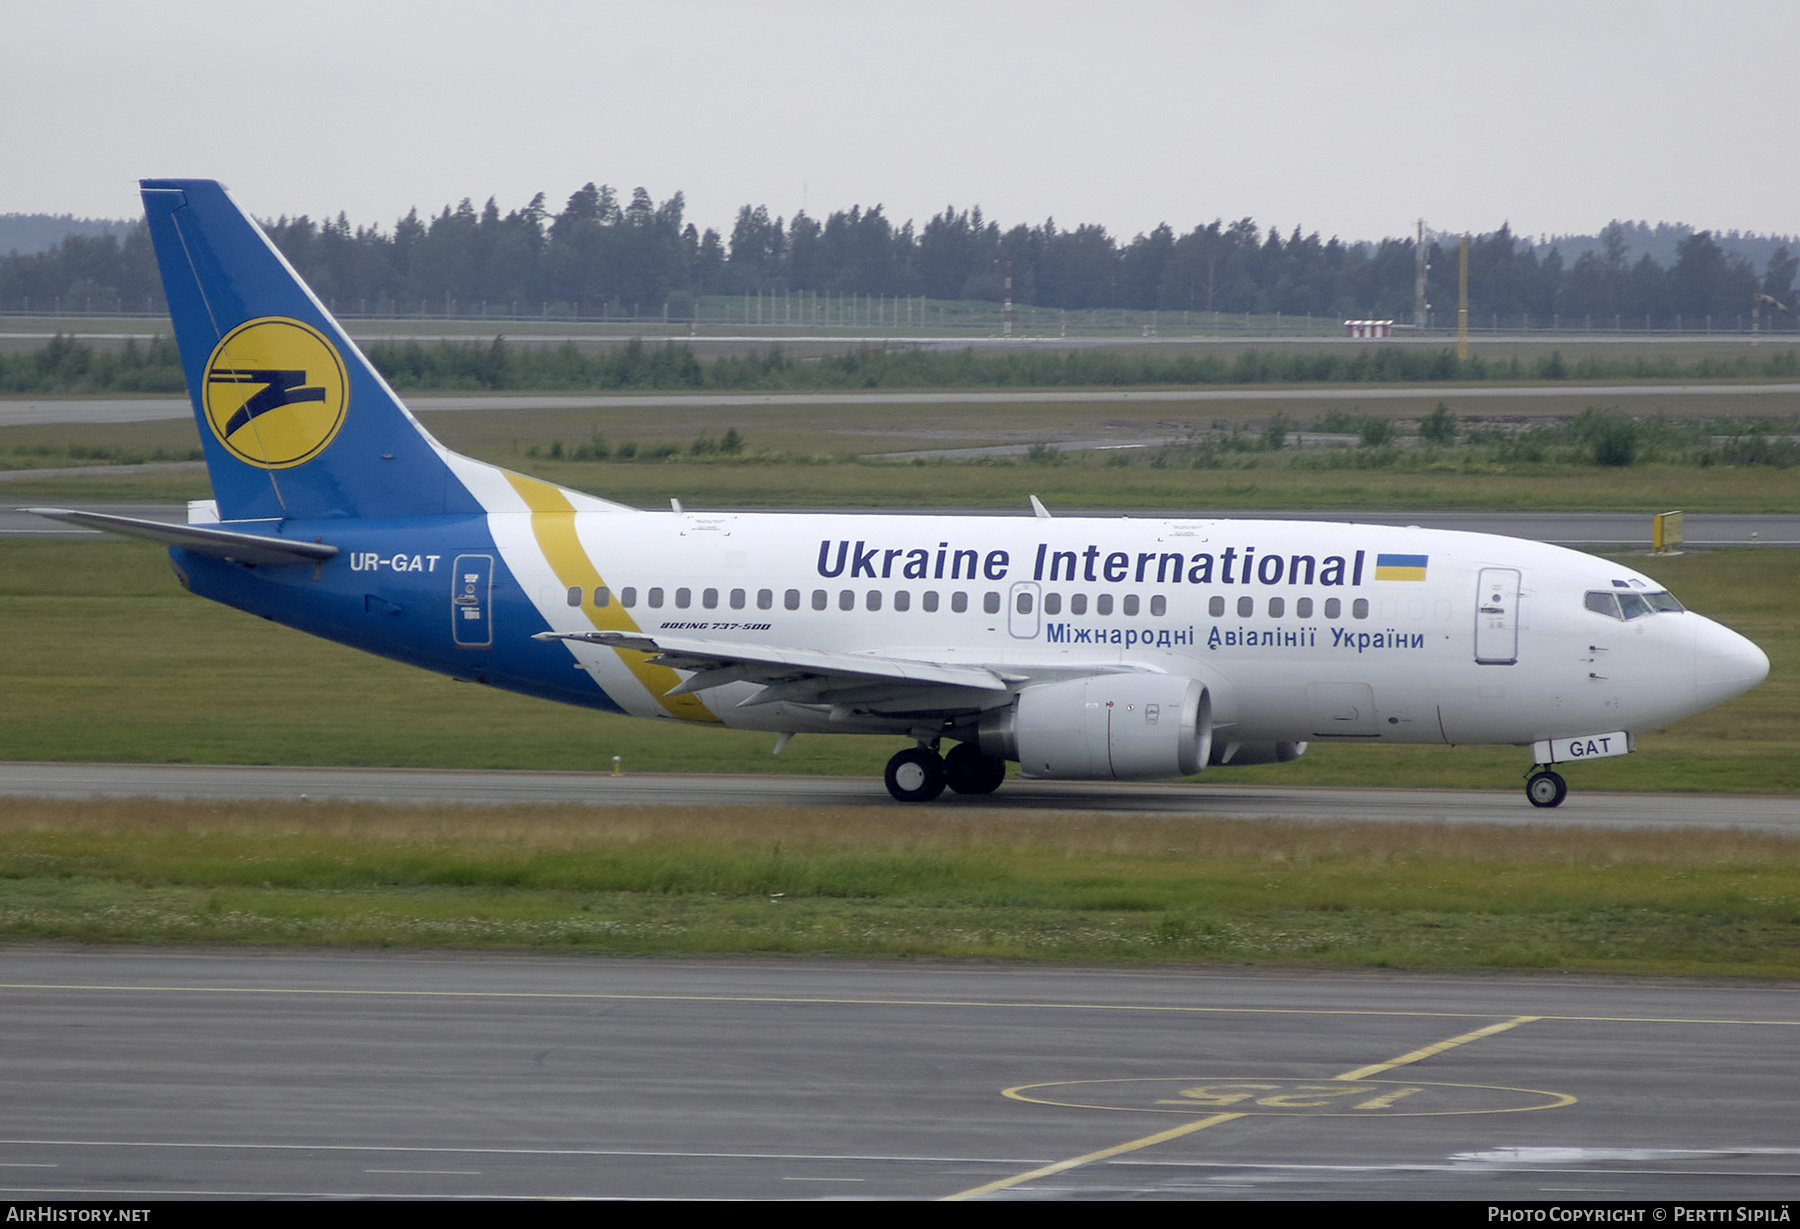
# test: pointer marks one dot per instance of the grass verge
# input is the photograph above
(879, 882)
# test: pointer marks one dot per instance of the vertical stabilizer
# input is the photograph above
(295, 421)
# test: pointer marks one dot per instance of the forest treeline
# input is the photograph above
(69, 366)
(599, 254)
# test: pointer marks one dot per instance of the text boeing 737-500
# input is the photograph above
(1078, 647)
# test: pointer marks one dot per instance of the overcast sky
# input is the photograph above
(1349, 118)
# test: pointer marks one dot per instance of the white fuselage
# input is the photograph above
(1316, 641)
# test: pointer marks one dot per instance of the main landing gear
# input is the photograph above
(919, 774)
(1546, 789)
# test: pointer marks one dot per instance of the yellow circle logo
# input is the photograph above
(275, 392)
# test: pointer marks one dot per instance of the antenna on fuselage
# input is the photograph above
(1037, 508)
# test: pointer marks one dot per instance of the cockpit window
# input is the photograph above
(1603, 603)
(1628, 605)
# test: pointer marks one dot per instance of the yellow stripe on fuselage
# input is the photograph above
(553, 524)
(1393, 573)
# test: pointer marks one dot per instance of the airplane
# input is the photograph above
(1075, 647)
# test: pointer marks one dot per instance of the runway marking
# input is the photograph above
(1160, 1137)
(1288, 1097)
(1088, 1158)
(1435, 1048)
(451, 1150)
(587, 996)
(458, 1173)
(143, 1192)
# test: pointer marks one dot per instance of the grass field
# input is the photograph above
(1067, 488)
(107, 659)
(902, 882)
(807, 456)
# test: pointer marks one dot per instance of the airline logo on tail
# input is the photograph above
(276, 392)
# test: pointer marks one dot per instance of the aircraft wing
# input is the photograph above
(807, 676)
(220, 543)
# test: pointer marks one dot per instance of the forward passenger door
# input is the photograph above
(1497, 617)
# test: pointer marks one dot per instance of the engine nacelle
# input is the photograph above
(1244, 755)
(1108, 726)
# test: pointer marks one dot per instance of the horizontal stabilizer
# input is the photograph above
(219, 543)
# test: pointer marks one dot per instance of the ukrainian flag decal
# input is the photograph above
(1400, 567)
(275, 392)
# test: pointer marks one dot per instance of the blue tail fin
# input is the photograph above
(295, 422)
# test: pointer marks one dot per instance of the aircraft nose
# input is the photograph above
(1725, 664)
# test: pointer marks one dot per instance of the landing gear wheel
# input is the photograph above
(915, 775)
(1546, 789)
(968, 771)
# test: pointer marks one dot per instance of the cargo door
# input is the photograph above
(1342, 710)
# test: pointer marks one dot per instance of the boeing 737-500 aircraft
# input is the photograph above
(1077, 647)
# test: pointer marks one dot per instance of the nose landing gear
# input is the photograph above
(1546, 789)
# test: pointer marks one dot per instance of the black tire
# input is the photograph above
(915, 775)
(1546, 789)
(968, 771)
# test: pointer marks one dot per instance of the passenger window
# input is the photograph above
(1360, 608)
(1277, 608)
(931, 601)
(575, 595)
(1159, 605)
(709, 598)
(1333, 608)
(1077, 603)
(902, 600)
(1633, 606)
(990, 602)
(847, 599)
(791, 599)
(1246, 607)
(737, 599)
(819, 599)
(1216, 607)
(1052, 603)
(628, 597)
(959, 602)
(1103, 604)
(1024, 603)
(655, 599)
(1303, 608)
(683, 598)
(602, 596)
(873, 600)
(1130, 606)
(1604, 604)
(765, 598)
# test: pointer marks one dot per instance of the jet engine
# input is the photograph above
(1243, 755)
(1107, 726)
